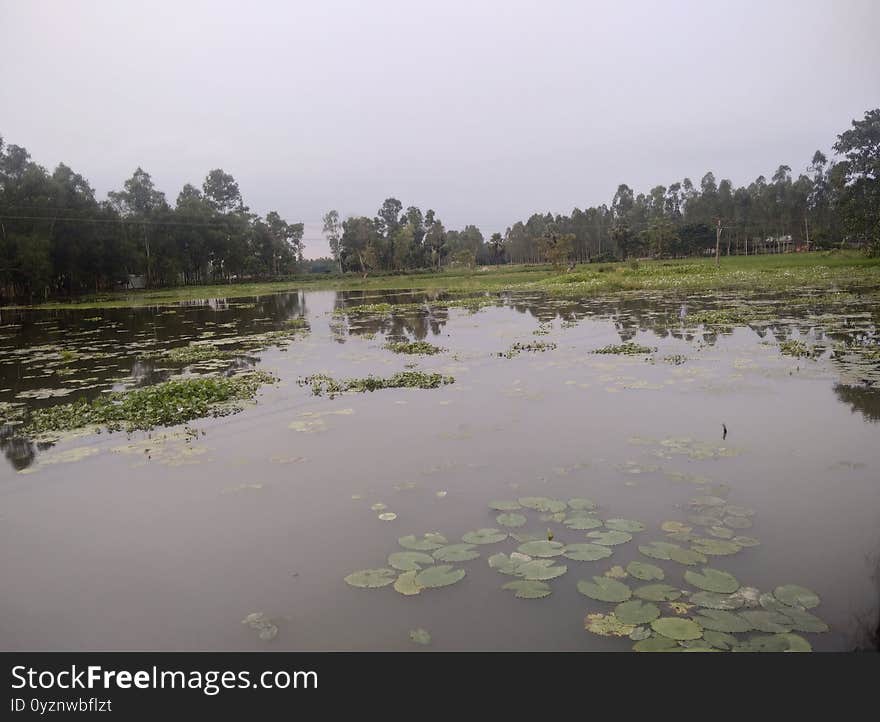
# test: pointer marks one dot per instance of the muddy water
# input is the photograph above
(165, 541)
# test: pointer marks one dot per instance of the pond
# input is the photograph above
(708, 478)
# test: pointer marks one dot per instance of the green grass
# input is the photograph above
(760, 273)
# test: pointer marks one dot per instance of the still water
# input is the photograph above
(169, 539)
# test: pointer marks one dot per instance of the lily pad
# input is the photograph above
(658, 549)
(604, 589)
(712, 580)
(640, 633)
(715, 547)
(609, 538)
(737, 522)
(585, 552)
(657, 592)
(543, 504)
(409, 561)
(440, 576)
(528, 589)
(765, 621)
(713, 600)
(636, 611)
(720, 640)
(720, 620)
(406, 584)
(505, 505)
(540, 570)
(657, 643)
(456, 553)
(677, 628)
(735, 510)
(675, 527)
(429, 542)
(582, 504)
(627, 525)
(484, 536)
(688, 557)
(388, 516)
(801, 621)
(582, 522)
(645, 572)
(420, 636)
(542, 548)
(511, 520)
(607, 625)
(371, 578)
(722, 532)
(746, 541)
(795, 596)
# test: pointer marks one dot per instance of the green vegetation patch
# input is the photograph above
(625, 349)
(421, 348)
(166, 404)
(798, 349)
(534, 347)
(323, 384)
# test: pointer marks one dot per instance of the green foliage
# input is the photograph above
(322, 384)
(413, 347)
(625, 349)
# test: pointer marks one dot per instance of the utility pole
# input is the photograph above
(718, 243)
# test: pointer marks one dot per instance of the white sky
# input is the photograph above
(485, 111)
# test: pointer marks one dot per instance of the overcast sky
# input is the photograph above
(484, 111)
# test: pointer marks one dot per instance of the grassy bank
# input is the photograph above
(760, 273)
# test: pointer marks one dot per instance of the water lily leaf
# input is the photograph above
(715, 547)
(657, 643)
(746, 541)
(388, 516)
(371, 578)
(607, 625)
(713, 600)
(801, 621)
(795, 596)
(440, 576)
(409, 561)
(765, 621)
(505, 564)
(582, 522)
(609, 538)
(420, 636)
(748, 595)
(720, 640)
(429, 542)
(704, 519)
(543, 504)
(644, 571)
(540, 570)
(658, 549)
(627, 525)
(528, 589)
(677, 628)
(636, 611)
(774, 643)
(512, 520)
(484, 536)
(456, 553)
(542, 548)
(617, 572)
(720, 620)
(734, 510)
(586, 552)
(582, 504)
(681, 536)
(640, 633)
(707, 500)
(737, 522)
(557, 517)
(712, 580)
(771, 603)
(504, 505)
(605, 589)
(406, 584)
(379, 506)
(675, 526)
(796, 643)
(688, 557)
(722, 532)
(657, 592)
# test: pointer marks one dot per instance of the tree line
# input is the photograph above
(57, 238)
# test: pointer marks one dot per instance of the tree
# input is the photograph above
(333, 231)
(496, 244)
(860, 173)
(222, 191)
(556, 247)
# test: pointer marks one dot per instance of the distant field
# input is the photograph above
(759, 273)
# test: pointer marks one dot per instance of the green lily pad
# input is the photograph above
(636, 611)
(688, 557)
(644, 571)
(484, 536)
(677, 628)
(737, 522)
(540, 570)
(765, 621)
(542, 548)
(609, 538)
(456, 553)
(505, 505)
(715, 547)
(734, 510)
(657, 592)
(627, 525)
(511, 520)
(528, 589)
(582, 522)
(582, 504)
(371, 578)
(604, 589)
(795, 596)
(772, 604)
(774, 643)
(658, 549)
(681, 536)
(429, 542)
(557, 517)
(607, 625)
(406, 584)
(720, 620)
(585, 552)
(720, 640)
(543, 504)
(640, 633)
(746, 541)
(707, 500)
(713, 600)
(440, 576)
(657, 643)
(801, 621)
(409, 561)
(420, 636)
(722, 532)
(712, 580)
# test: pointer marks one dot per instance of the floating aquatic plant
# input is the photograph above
(420, 348)
(322, 384)
(625, 349)
(604, 589)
